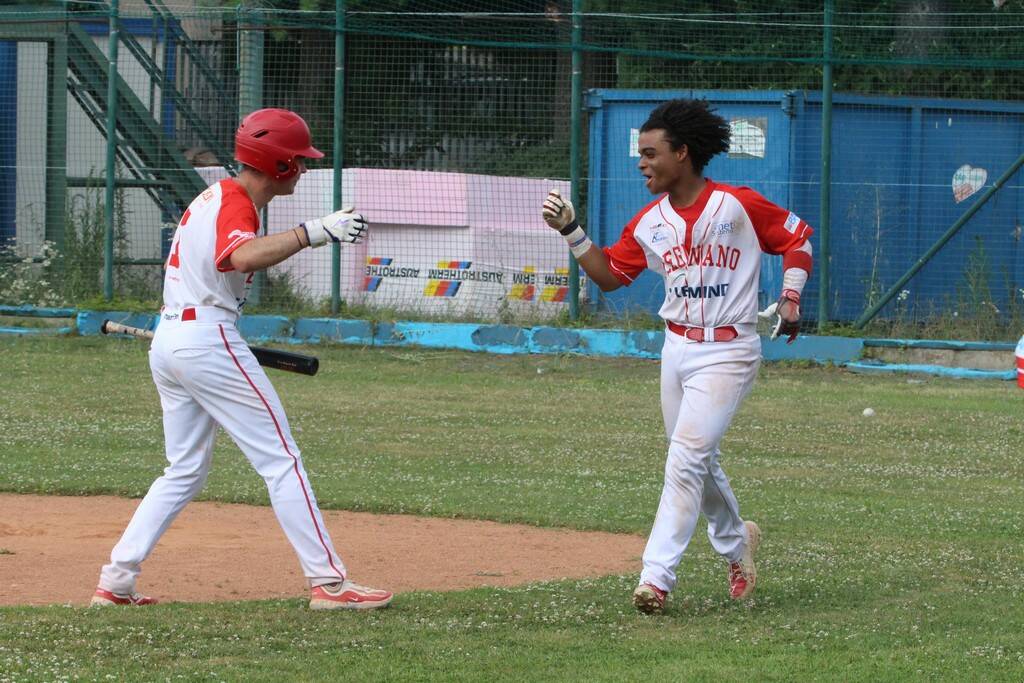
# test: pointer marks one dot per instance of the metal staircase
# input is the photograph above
(144, 149)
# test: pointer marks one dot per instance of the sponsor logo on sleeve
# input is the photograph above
(240, 235)
(791, 222)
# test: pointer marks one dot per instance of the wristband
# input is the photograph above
(794, 279)
(568, 230)
(579, 243)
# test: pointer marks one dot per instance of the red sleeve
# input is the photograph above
(626, 258)
(237, 223)
(777, 229)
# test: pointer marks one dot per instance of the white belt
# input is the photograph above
(202, 314)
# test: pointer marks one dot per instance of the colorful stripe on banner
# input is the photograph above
(556, 293)
(525, 289)
(378, 261)
(370, 284)
(522, 292)
(553, 293)
(442, 288)
(454, 265)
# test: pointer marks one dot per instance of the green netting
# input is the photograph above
(455, 120)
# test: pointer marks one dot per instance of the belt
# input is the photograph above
(702, 334)
(203, 314)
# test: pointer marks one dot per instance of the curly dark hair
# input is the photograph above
(692, 123)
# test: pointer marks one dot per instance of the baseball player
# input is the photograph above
(207, 376)
(706, 240)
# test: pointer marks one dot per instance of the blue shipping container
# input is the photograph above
(903, 171)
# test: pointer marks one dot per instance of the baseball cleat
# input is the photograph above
(649, 599)
(348, 595)
(105, 598)
(743, 574)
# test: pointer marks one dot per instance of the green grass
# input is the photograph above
(892, 544)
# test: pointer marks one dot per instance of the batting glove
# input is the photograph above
(790, 328)
(559, 213)
(345, 226)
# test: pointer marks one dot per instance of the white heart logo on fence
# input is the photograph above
(967, 181)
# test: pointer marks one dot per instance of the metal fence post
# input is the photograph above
(826, 170)
(575, 139)
(111, 180)
(250, 98)
(56, 141)
(339, 142)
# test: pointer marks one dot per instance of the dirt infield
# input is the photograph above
(51, 549)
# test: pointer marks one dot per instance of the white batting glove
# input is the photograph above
(559, 212)
(345, 226)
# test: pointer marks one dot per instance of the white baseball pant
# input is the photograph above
(206, 376)
(702, 386)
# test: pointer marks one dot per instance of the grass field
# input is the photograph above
(892, 544)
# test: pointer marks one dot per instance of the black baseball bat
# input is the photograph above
(268, 358)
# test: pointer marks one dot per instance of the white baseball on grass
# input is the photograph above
(868, 412)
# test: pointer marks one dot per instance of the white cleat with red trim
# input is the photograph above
(743, 574)
(105, 598)
(348, 595)
(649, 599)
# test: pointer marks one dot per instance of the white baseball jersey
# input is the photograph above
(199, 270)
(709, 252)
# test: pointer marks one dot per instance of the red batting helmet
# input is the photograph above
(268, 139)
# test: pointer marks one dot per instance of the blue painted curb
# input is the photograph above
(836, 350)
(89, 322)
(937, 370)
(940, 344)
(508, 339)
(316, 330)
(38, 312)
(265, 328)
(502, 339)
(35, 331)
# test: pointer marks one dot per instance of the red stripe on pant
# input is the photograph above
(284, 443)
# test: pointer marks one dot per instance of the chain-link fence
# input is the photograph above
(895, 128)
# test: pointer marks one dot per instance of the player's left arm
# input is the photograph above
(796, 270)
(783, 232)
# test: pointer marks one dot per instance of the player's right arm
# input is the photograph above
(560, 215)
